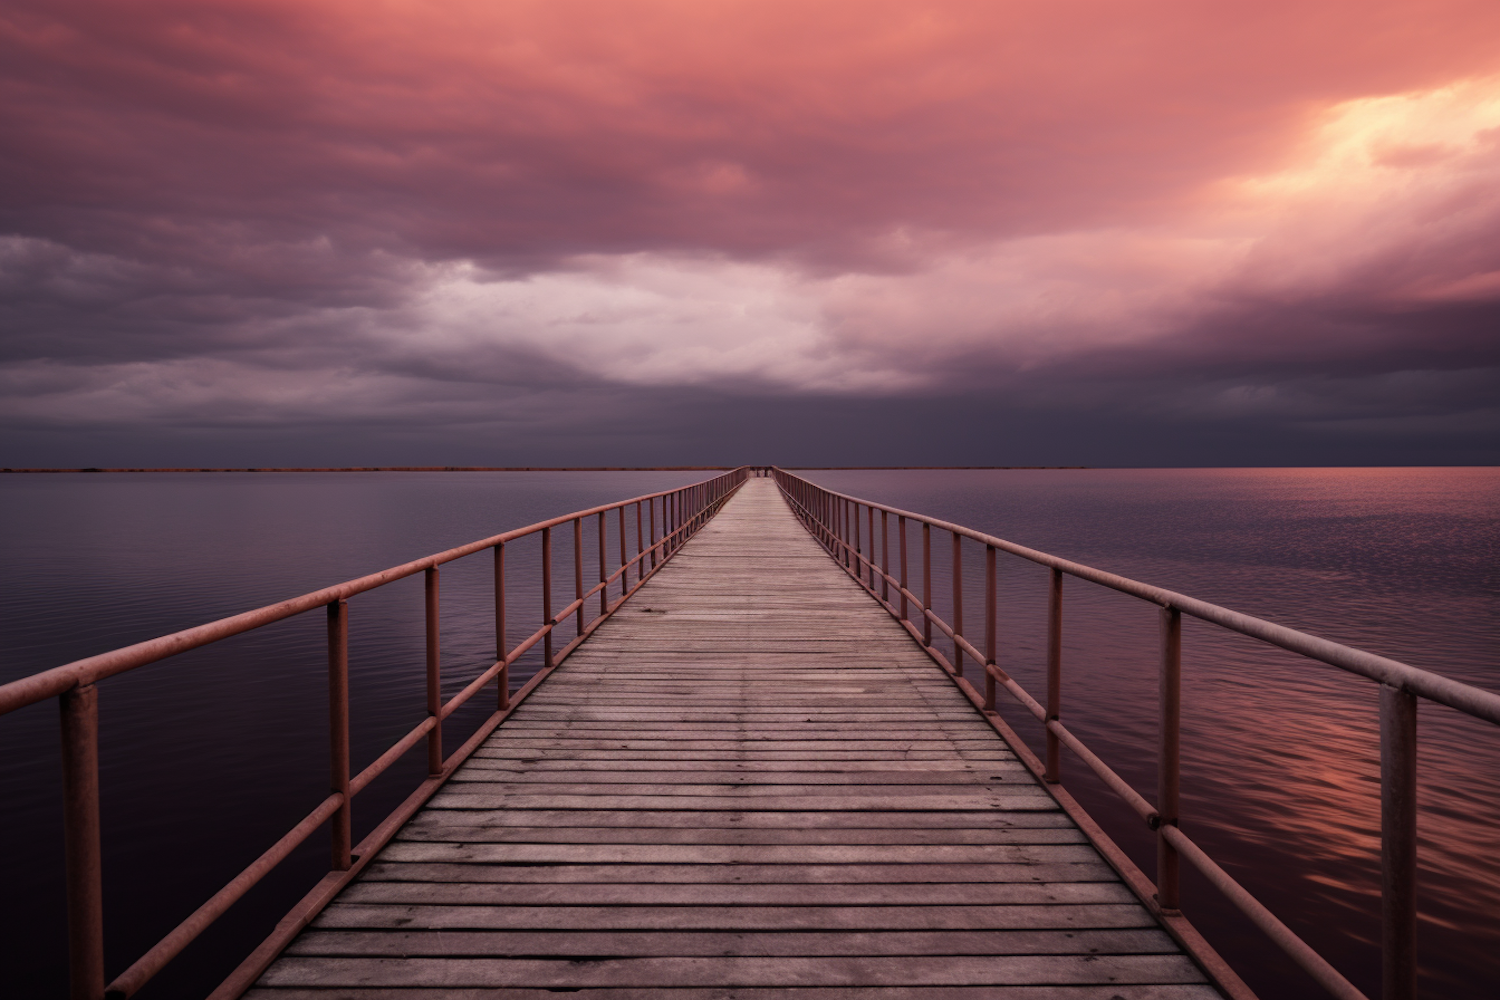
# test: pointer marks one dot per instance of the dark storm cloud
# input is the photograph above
(602, 226)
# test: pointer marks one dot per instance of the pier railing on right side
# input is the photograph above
(847, 527)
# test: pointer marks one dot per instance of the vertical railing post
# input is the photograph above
(870, 524)
(342, 826)
(989, 628)
(1053, 771)
(831, 508)
(503, 680)
(926, 583)
(640, 545)
(434, 677)
(578, 569)
(885, 556)
(901, 531)
(958, 603)
(603, 567)
(1398, 843)
(851, 520)
(624, 554)
(547, 597)
(1169, 767)
(844, 533)
(859, 572)
(840, 518)
(79, 710)
(838, 530)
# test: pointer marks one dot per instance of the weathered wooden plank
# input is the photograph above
(740, 854)
(378, 889)
(656, 712)
(782, 780)
(452, 828)
(1083, 992)
(904, 873)
(741, 753)
(739, 918)
(773, 741)
(769, 819)
(805, 767)
(658, 944)
(1023, 799)
(955, 970)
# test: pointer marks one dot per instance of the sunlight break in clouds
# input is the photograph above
(646, 319)
(1406, 186)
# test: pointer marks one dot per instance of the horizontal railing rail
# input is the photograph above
(663, 521)
(846, 527)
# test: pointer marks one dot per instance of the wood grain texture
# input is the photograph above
(749, 783)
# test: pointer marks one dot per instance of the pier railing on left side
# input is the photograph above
(661, 523)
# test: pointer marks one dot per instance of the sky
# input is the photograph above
(1061, 232)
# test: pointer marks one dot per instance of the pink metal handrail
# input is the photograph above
(672, 515)
(834, 520)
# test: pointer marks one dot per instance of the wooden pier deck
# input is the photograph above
(748, 783)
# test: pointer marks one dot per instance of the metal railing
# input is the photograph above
(834, 519)
(662, 522)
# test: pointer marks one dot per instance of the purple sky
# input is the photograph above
(312, 232)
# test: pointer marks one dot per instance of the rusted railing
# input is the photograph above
(834, 519)
(663, 521)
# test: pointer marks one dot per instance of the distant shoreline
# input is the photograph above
(553, 468)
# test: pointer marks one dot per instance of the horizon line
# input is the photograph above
(531, 468)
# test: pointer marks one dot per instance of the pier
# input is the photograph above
(754, 762)
(749, 782)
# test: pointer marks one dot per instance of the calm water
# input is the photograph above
(207, 759)
(1281, 760)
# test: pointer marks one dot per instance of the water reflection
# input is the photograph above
(1281, 760)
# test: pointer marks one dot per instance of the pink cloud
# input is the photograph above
(849, 198)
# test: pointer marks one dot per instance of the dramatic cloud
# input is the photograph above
(526, 217)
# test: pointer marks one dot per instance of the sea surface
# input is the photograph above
(208, 758)
(1280, 753)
